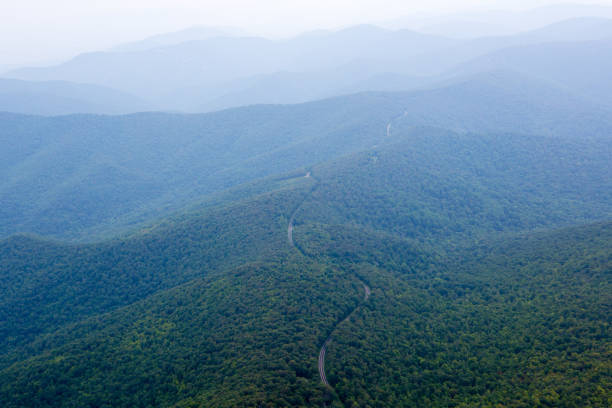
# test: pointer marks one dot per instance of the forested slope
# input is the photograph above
(45, 285)
(247, 337)
(522, 322)
(215, 307)
(512, 322)
(84, 177)
(435, 186)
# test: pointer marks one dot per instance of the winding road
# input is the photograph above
(367, 293)
(290, 226)
(322, 363)
(290, 232)
(366, 289)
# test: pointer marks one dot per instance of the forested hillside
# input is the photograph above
(47, 284)
(250, 336)
(215, 307)
(84, 177)
(413, 214)
(438, 186)
(523, 322)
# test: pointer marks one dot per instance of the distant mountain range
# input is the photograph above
(199, 70)
(197, 33)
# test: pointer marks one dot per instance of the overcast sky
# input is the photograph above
(41, 31)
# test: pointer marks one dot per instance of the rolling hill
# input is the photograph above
(216, 308)
(588, 78)
(61, 98)
(85, 176)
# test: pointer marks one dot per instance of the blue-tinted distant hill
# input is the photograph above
(581, 67)
(60, 98)
(152, 73)
(292, 87)
(196, 33)
(573, 55)
(196, 71)
(79, 175)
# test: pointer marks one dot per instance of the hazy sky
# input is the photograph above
(43, 30)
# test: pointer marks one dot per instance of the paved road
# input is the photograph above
(290, 232)
(366, 289)
(322, 363)
(367, 294)
(290, 226)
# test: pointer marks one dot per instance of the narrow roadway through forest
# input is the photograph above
(367, 292)
(366, 288)
(290, 226)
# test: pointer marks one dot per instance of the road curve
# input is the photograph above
(366, 289)
(322, 363)
(290, 232)
(367, 293)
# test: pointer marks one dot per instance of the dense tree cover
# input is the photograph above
(440, 186)
(83, 177)
(215, 308)
(523, 322)
(45, 284)
(247, 337)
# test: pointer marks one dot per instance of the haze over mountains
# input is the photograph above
(202, 69)
(483, 23)
(366, 217)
